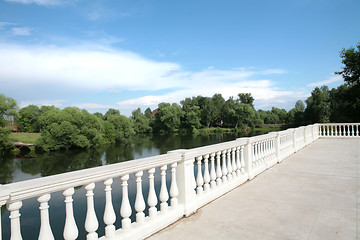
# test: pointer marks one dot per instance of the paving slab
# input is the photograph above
(311, 195)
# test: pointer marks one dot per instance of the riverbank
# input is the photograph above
(29, 138)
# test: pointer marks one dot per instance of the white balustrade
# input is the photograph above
(212, 172)
(125, 210)
(219, 168)
(224, 168)
(70, 229)
(139, 200)
(174, 191)
(91, 223)
(45, 229)
(109, 213)
(152, 199)
(199, 178)
(14, 208)
(164, 196)
(206, 173)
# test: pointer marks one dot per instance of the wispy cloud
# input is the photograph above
(84, 68)
(21, 31)
(39, 2)
(56, 103)
(334, 78)
(94, 106)
(4, 24)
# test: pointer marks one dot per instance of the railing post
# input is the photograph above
(277, 147)
(4, 196)
(293, 134)
(248, 159)
(45, 229)
(185, 179)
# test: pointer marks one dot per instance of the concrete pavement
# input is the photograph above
(312, 194)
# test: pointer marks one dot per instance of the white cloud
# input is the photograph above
(94, 106)
(87, 69)
(99, 69)
(39, 2)
(3, 24)
(21, 31)
(334, 78)
(56, 103)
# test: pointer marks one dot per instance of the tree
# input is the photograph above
(317, 106)
(351, 74)
(28, 119)
(69, 128)
(168, 118)
(246, 98)
(141, 122)
(300, 105)
(111, 112)
(7, 110)
(7, 113)
(351, 70)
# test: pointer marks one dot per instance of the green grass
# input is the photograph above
(24, 137)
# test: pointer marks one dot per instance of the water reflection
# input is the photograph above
(40, 165)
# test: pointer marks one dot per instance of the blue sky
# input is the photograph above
(126, 54)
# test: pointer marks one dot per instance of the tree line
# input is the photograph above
(72, 127)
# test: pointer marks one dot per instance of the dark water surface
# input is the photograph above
(46, 164)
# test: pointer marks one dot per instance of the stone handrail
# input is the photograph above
(188, 180)
(339, 130)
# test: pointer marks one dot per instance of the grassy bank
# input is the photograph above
(24, 137)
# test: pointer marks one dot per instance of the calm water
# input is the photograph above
(29, 166)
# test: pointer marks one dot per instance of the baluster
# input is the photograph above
(242, 160)
(125, 210)
(193, 175)
(224, 168)
(238, 161)
(336, 132)
(353, 131)
(253, 150)
(109, 213)
(15, 220)
(206, 173)
(218, 169)
(174, 191)
(212, 172)
(139, 200)
(164, 196)
(357, 130)
(233, 162)
(199, 178)
(45, 229)
(91, 223)
(2, 203)
(70, 229)
(229, 165)
(152, 200)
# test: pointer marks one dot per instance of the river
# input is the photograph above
(36, 165)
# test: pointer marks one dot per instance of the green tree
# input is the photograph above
(8, 109)
(351, 70)
(69, 128)
(351, 74)
(141, 122)
(123, 127)
(246, 98)
(317, 106)
(111, 112)
(168, 118)
(341, 108)
(28, 119)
